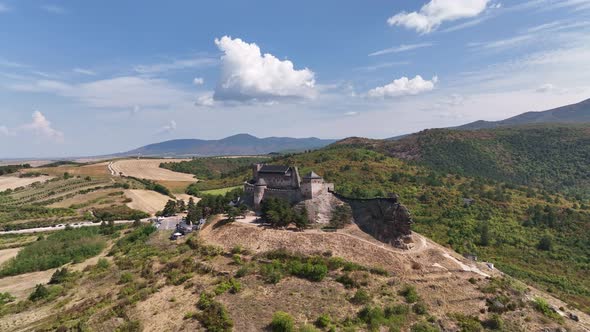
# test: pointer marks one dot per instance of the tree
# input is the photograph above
(232, 213)
(180, 205)
(484, 239)
(39, 293)
(136, 222)
(546, 243)
(169, 209)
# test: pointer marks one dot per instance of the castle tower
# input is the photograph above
(260, 187)
(255, 169)
(312, 185)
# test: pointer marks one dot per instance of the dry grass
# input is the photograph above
(11, 182)
(176, 187)
(92, 170)
(146, 200)
(150, 169)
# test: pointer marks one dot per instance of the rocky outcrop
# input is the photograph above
(383, 218)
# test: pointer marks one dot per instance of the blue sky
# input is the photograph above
(86, 78)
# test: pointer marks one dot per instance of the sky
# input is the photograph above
(84, 78)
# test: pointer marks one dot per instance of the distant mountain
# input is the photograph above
(575, 113)
(241, 144)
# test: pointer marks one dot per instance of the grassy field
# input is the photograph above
(220, 191)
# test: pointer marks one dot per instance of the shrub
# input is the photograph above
(495, 322)
(59, 276)
(39, 293)
(543, 307)
(272, 273)
(309, 271)
(308, 328)
(126, 277)
(213, 317)
(282, 322)
(361, 297)
(546, 243)
(347, 281)
(410, 294)
(372, 316)
(323, 321)
(6, 298)
(103, 264)
(424, 327)
(420, 308)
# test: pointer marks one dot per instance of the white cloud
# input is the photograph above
(434, 13)
(403, 87)
(42, 127)
(205, 100)
(351, 113)
(168, 128)
(198, 81)
(53, 9)
(84, 71)
(247, 74)
(401, 48)
(4, 8)
(548, 87)
(197, 62)
(120, 92)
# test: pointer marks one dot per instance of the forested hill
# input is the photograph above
(241, 144)
(555, 157)
(575, 113)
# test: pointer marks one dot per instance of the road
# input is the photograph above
(167, 223)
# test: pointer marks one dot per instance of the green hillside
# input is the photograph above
(552, 157)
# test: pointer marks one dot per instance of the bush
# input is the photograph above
(543, 307)
(420, 308)
(347, 281)
(282, 322)
(126, 277)
(323, 321)
(39, 293)
(361, 297)
(6, 298)
(410, 294)
(546, 243)
(59, 276)
(213, 317)
(495, 322)
(424, 327)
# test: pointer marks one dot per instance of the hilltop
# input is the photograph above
(574, 113)
(241, 144)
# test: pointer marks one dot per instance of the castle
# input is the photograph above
(283, 182)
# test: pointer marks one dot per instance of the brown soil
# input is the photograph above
(11, 182)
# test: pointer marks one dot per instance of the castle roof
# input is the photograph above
(280, 169)
(260, 182)
(312, 175)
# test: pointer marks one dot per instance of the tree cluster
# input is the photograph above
(279, 213)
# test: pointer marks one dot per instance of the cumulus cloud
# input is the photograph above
(434, 13)
(198, 81)
(403, 86)
(39, 126)
(247, 75)
(42, 127)
(168, 128)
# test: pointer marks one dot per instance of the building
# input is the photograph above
(282, 182)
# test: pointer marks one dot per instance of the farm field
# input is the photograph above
(12, 182)
(146, 200)
(149, 169)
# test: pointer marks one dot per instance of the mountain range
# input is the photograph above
(245, 144)
(241, 144)
(575, 113)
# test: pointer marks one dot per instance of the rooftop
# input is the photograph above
(281, 169)
(312, 175)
